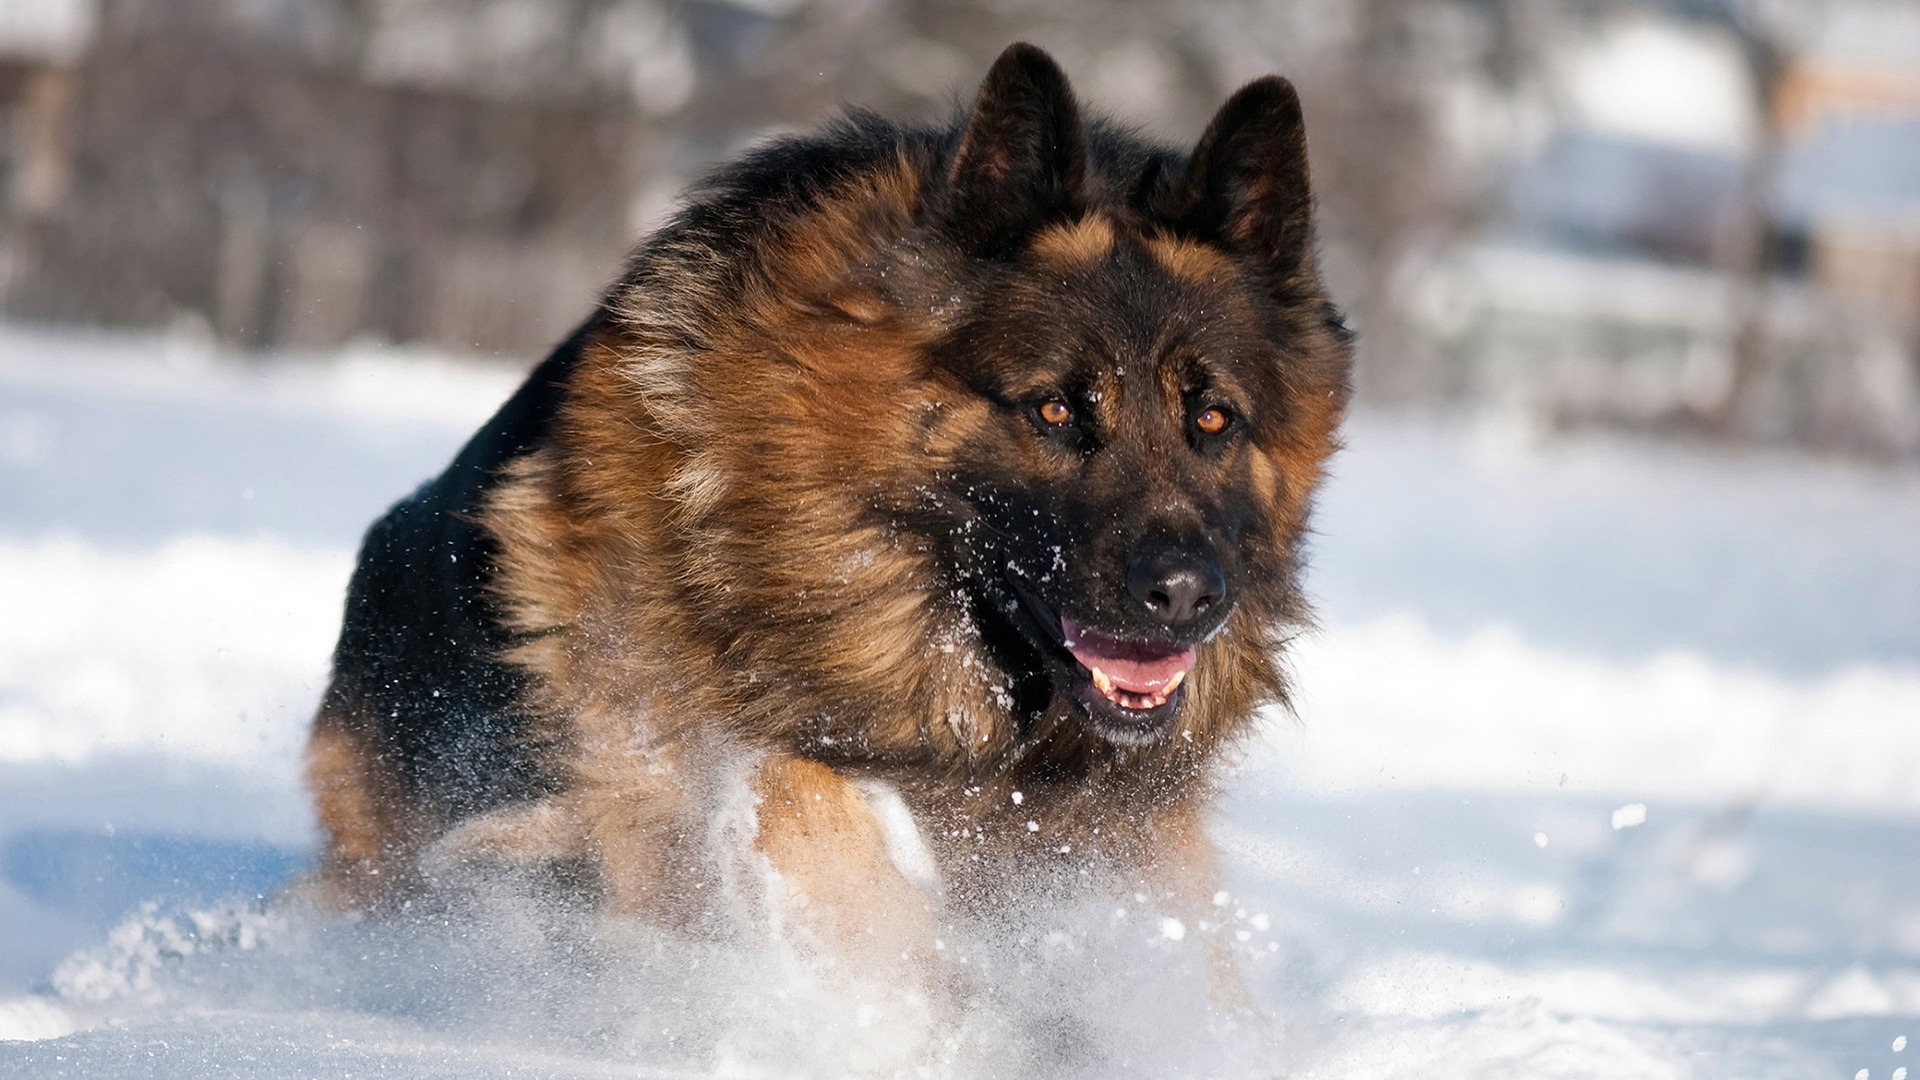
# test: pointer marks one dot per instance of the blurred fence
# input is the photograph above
(1700, 215)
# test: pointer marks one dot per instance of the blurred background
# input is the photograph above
(1603, 760)
(1698, 216)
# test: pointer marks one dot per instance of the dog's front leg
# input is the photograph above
(837, 875)
(1184, 869)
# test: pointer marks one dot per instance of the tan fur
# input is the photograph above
(819, 835)
(525, 833)
(1076, 245)
(370, 834)
(595, 560)
(1189, 261)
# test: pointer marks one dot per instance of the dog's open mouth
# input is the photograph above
(1128, 688)
(1138, 676)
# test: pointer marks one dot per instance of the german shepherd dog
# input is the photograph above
(936, 494)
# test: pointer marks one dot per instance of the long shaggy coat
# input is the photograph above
(935, 492)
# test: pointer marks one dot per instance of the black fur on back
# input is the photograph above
(419, 649)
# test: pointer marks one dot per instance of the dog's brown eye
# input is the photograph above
(1055, 412)
(1212, 421)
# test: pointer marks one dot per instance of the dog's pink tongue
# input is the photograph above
(1136, 667)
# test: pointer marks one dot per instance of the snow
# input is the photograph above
(1630, 816)
(202, 648)
(1603, 764)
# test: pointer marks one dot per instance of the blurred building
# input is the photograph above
(300, 172)
(1850, 187)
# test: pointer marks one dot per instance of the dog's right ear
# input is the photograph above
(1022, 158)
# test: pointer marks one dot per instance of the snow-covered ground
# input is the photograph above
(1606, 763)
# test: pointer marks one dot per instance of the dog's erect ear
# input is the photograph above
(1246, 185)
(1022, 159)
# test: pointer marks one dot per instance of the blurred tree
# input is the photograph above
(1747, 254)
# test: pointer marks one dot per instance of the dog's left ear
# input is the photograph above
(1246, 184)
(1022, 158)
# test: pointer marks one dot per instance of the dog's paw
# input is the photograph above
(525, 834)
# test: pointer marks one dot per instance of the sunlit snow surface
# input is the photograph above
(1526, 642)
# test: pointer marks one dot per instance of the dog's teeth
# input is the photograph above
(1127, 699)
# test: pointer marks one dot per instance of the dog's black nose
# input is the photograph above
(1174, 585)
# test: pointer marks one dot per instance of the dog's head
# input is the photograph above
(1013, 424)
(1145, 379)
